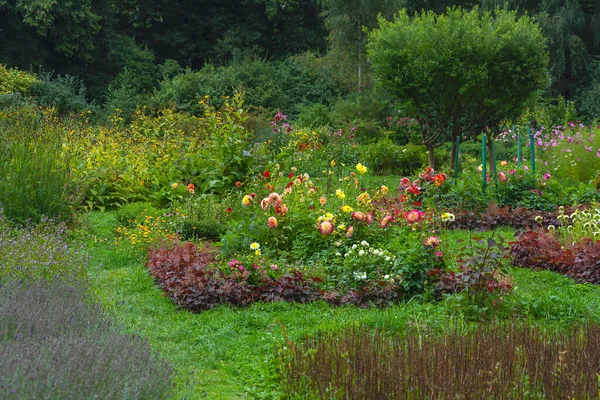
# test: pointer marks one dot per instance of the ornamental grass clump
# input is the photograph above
(508, 361)
(55, 344)
(36, 179)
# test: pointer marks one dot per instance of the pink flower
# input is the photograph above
(274, 267)
(369, 218)
(326, 228)
(233, 263)
(405, 182)
(385, 221)
(272, 222)
(547, 176)
(359, 216)
(264, 203)
(502, 176)
(439, 254)
(414, 216)
(432, 241)
(350, 231)
(274, 199)
(512, 171)
(526, 168)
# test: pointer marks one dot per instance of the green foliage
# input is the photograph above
(314, 115)
(131, 212)
(460, 71)
(34, 166)
(387, 158)
(66, 94)
(267, 85)
(12, 80)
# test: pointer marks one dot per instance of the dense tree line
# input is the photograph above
(134, 44)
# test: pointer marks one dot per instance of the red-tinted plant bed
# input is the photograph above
(517, 218)
(538, 250)
(190, 278)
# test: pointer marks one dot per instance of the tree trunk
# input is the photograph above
(430, 156)
(359, 69)
(453, 154)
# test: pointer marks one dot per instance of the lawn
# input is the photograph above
(228, 353)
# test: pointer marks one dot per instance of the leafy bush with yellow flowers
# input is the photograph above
(161, 157)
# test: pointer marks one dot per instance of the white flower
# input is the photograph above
(387, 258)
(361, 253)
(371, 250)
(551, 227)
(376, 252)
(338, 254)
(364, 243)
(360, 275)
(386, 277)
(354, 246)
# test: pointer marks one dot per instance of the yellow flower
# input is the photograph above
(342, 227)
(346, 209)
(363, 198)
(257, 252)
(254, 246)
(340, 193)
(328, 216)
(246, 201)
(322, 200)
(332, 163)
(361, 168)
(174, 185)
(384, 189)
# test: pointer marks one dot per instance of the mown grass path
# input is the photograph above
(228, 353)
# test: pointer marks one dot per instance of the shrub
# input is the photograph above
(14, 81)
(387, 158)
(130, 213)
(185, 273)
(494, 217)
(190, 229)
(55, 344)
(36, 178)
(510, 360)
(538, 250)
(42, 251)
(66, 94)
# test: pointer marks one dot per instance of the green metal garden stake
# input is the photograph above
(531, 151)
(483, 166)
(518, 147)
(456, 157)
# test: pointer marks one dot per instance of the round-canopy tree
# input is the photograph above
(461, 71)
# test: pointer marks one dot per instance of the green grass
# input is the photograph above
(228, 353)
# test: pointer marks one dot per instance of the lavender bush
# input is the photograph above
(40, 251)
(54, 344)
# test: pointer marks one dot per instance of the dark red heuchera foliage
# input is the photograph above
(586, 267)
(539, 250)
(185, 273)
(494, 216)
